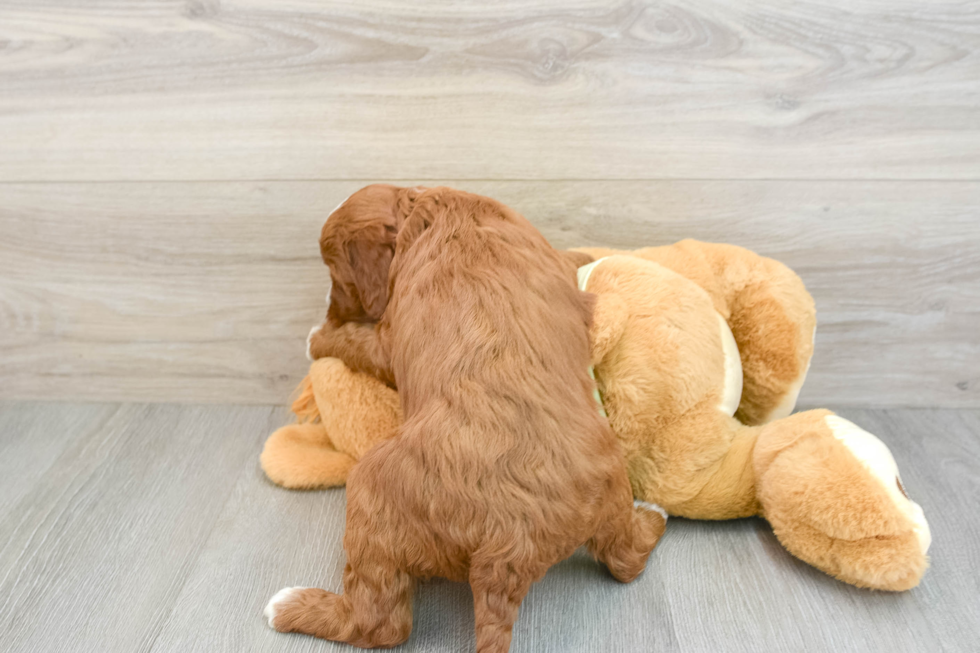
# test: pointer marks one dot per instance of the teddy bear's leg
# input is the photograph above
(769, 310)
(357, 409)
(773, 319)
(301, 457)
(834, 498)
(711, 481)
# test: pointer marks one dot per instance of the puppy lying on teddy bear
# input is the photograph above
(699, 353)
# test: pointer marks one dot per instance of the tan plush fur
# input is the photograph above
(849, 527)
(771, 315)
(341, 414)
(661, 372)
(661, 383)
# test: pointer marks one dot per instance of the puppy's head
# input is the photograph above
(357, 243)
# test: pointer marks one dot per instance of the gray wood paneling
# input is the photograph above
(597, 89)
(205, 292)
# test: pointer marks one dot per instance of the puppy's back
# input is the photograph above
(480, 297)
(489, 335)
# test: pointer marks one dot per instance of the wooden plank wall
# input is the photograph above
(165, 167)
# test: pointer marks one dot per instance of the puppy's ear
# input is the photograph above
(414, 226)
(370, 262)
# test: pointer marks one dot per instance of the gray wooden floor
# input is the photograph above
(128, 527)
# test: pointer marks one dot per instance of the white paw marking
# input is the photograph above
(309, 339)
(282, 596)
(650, 506)
(875, 456)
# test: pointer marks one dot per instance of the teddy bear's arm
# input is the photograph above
(609, 318)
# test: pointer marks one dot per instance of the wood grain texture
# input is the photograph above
(588, 89)
(205, 292)
(95, 551)
(32, 438)
(156, 531)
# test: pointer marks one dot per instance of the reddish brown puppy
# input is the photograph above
(503, 465)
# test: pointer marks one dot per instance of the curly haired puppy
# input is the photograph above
(503, 465)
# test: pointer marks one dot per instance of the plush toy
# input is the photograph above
(340, 414)
(699, 353)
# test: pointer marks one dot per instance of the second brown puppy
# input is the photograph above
(503, 465)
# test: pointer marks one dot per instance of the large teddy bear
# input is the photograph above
(699, 353)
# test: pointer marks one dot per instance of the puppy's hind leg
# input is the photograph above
(626, 537)
(375, 610)
(498, 589)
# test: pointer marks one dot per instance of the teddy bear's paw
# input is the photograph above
(309, 338)
(651, 507)
(282, 598)
(875, 456)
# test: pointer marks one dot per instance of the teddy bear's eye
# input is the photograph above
(901, 488)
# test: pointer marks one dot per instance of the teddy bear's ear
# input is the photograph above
(608, 323)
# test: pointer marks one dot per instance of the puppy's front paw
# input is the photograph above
(309, 341)
(282, 598)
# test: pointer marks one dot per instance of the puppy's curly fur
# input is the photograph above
(503, 465)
